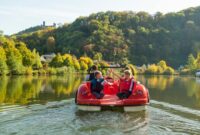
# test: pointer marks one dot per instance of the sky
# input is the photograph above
(17, 15)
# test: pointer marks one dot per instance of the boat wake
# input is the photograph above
(63, 117)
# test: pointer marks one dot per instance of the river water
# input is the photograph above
(45, 106)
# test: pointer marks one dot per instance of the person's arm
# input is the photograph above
(93, 85)
(117, 75)
(104, 81)
(131, 87)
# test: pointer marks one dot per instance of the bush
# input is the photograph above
(3, 65)
(28, 71)
(67, 60)
(18, 70)
(185, 71)
(162, 64)
(88, 61)
(35, 72)
(3, 68)
(51, 71)
(41, 72)
(83, 66)
(62, 70)
(160, 70)
(70, 69)
(76, 64)
(152, 69)
(169, 71)
(57, 61)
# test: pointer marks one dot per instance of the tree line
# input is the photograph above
(17, 59)
(192, 65)
(135, 37)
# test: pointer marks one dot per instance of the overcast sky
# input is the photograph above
(16, 15)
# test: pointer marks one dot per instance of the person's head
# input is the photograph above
(131, 68)
(127, 74)
(97, 74)
(126, 68)
(94, 67)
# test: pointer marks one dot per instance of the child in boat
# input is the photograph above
(97, 85)
(91, 72)
(126, 84)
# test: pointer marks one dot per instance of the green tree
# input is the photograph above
(50, 44)
(27, 55)
(140, 37)
(68, 60)
(198, 60)
(76, 63)
(3, 65)
(191, 62)
(169, 71)
(57, 61)
(162, 64)
(152, 69)
(83, 66)
(37, 62)
(87, 61)
(14, 58)
(98, 57)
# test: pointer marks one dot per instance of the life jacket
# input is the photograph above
(91, 77)
(125, 85)
(96, 86)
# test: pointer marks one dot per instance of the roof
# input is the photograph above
(47, 57)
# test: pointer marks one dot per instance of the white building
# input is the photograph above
(47, 57)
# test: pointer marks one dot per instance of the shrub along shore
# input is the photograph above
(17, 59)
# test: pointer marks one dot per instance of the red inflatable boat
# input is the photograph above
(137, 101)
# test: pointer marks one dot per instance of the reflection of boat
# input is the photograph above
(128, 123)
(88, 102)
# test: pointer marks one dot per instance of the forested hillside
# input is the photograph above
(139, 37)
(17, 59)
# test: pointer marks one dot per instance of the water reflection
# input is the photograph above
(173, 89)
(161, 83)
(119, 123)
(29, 89)
(25, 90)
(45, 105)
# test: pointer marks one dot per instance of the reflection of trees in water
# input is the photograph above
(170, 87)
(14, 90)
(158, 82)
(3, 85)
(193, 88)
(28, 89)
(63, 85)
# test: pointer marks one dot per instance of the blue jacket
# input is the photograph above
(96, 85)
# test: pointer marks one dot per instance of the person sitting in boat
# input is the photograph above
(91, 72)
(126, 84)
(97, 85)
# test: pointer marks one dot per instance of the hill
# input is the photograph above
(138, 37)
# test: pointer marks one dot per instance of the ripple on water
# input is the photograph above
(63, 118)
(174, 118)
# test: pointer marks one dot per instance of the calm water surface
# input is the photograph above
(45, 105)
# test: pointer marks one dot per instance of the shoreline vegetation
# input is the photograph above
(160, 44)
(17, 59)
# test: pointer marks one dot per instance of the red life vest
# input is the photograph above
(125, 85)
